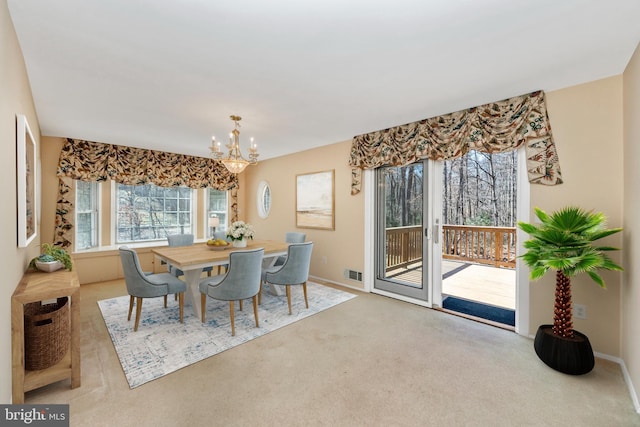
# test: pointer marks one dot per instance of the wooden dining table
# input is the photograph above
(192, 259)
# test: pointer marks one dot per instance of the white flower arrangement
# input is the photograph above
(240, 230)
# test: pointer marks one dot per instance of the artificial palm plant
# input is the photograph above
(564, 241)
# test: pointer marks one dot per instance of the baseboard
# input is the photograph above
(625, 375)
(632, 390)
(322, 279)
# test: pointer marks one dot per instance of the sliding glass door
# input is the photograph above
(403, 232)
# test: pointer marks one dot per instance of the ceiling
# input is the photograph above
(167, 74)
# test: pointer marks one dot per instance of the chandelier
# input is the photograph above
(234, 161)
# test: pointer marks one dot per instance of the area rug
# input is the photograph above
(163, 345)
(483, 311)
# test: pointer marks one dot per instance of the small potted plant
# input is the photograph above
(51, 259)
(239, 232)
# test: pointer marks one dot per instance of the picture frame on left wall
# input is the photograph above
(26, 158)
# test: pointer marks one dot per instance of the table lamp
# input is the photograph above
(214, 221)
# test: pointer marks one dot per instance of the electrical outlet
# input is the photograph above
(580, 311)
(324, 259)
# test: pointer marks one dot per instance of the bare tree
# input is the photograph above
(403, 195)
(478, 189)
(445, 202)
(482, 187)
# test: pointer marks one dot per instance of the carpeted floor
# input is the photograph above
(483, 311)
(163, 345)
(370, 361)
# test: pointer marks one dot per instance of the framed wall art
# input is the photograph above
(26, 183)
(315, 200)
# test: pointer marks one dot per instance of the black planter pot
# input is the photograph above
(570, 356)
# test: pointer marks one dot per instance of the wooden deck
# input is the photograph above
(481, 283)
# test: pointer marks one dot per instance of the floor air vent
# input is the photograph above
(353, 275)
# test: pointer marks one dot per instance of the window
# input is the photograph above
(263, 199)
(217, 206)
(86, 215)
(148, 212)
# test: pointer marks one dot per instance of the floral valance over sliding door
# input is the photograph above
(93, 161)
(492, 128)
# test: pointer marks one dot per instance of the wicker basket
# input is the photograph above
(46, 333)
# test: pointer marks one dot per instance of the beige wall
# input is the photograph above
(50, 150)
(16, 99)
(334, 250)
(587, 126)
(631, 280)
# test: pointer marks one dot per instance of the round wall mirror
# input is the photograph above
(264, 199)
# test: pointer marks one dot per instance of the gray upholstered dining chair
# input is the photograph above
(241, 281)
(141, 285)
(295, 237)
(290, 237)
(182, 240)
(295, 270)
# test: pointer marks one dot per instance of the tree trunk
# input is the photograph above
(408, 197)
(445, 198)
(404, 173)
(562, 313)
(460, 214)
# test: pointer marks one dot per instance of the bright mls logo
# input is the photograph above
(34, 415)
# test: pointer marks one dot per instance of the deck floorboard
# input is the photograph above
(481, 283)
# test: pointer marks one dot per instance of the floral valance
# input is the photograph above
(93, 161)
(495, 127)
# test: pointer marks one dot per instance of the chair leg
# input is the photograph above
(260, 293)
(203, 305)
(240, 304)
(181, 304)
(289, 297)
(165, 301)
(130, 307)
(304, 287)
(255, 310)
(175, 297)
(138, 311)
(232, 315)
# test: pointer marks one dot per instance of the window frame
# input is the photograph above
(95, 215)
(190, 228)
(263, 199)
(208, 212)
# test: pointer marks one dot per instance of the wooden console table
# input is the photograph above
(37, 286)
